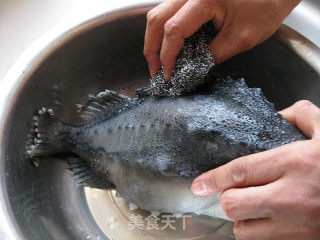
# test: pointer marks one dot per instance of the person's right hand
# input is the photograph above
(274, 194)
(242, 24)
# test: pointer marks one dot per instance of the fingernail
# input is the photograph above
(167, 76)
(201, 188)
(152, 71)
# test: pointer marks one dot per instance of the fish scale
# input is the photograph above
(150, 149)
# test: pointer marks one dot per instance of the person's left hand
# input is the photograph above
(273, 194)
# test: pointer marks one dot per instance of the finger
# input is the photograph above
(248, 203)
(182, 25)
(252, 170)
(306, 116)
(261, 229)
(156, 19)
(232, 40)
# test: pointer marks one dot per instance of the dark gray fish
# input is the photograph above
(150, 149)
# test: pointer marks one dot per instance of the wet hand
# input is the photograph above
(273, 194)
(242, 24)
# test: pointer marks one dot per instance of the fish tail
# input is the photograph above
(47, 134)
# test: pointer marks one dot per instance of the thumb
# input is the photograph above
(306, 116)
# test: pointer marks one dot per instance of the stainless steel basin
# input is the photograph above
(105, 52)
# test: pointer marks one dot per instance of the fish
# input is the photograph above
(151, 148)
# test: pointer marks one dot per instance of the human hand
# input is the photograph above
(242, 24)
(273, 194)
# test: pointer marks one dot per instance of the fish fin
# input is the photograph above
(84, 175)
(46, 136)
(104, 103)
(252, 98)
(169, 173)
(143, 92)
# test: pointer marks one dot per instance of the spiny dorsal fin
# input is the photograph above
(143, 92)
(102, 103)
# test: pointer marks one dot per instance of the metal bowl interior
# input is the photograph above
(106, 53)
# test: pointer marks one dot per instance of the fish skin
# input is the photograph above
(153, 149)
